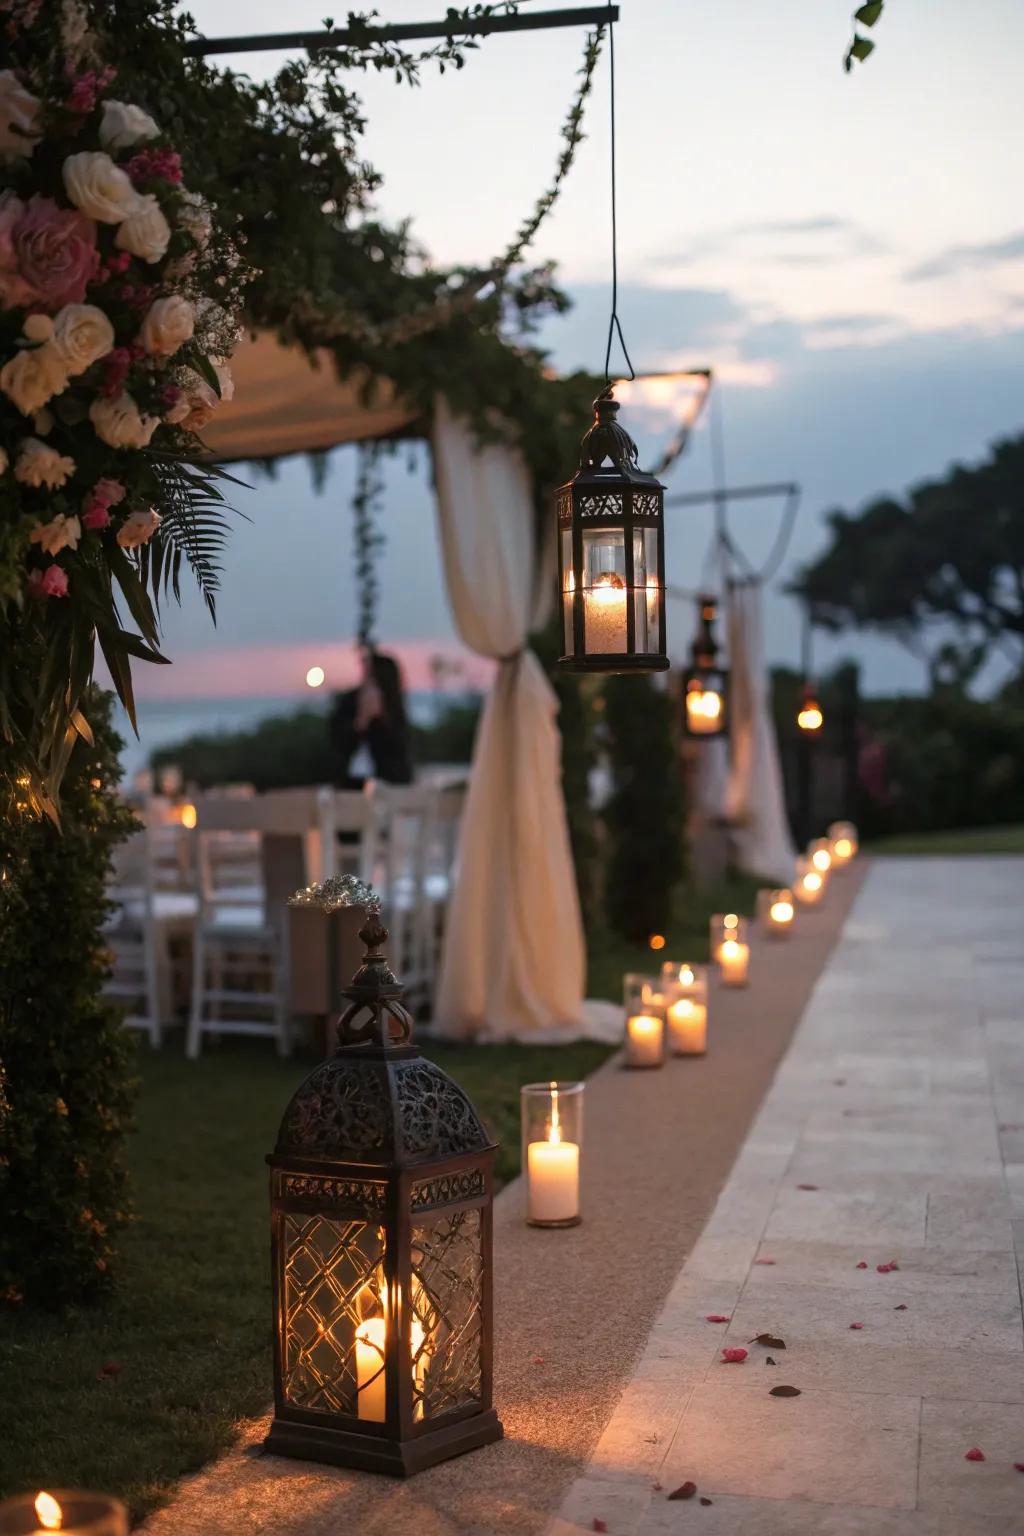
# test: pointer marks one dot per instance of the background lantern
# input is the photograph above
(381, 1197)
(706, 682)
(810, 717)
(611, 555)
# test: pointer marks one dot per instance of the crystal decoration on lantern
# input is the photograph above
(381, 1201)
(611, 555)
(706, 683)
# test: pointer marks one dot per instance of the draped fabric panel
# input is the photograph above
(514, 960)
(754, 800)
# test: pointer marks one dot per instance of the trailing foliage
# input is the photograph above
(644, 817)
(65, 1060)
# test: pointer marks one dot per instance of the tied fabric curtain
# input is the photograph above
(514, 961)
(754, 800)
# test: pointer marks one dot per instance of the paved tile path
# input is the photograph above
(894, 1131)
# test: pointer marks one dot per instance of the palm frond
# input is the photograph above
(193, 529)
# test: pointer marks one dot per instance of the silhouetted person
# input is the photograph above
(373, 716)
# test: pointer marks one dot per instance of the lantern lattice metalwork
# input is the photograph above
(705, 698)
(611, 555)
(381, 1202)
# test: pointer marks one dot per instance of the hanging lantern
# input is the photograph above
(381, 1197)
(810, 717)
(706, 681)
(611, 555)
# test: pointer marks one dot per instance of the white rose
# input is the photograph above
(168, 325)
(119, 423)
(38, 464)
(195, 218)
(82, 334)
(37, 328)
(19, 118)
(123, 125)
(145, 232)
(98, 187)
(138, 528)
(33, 376)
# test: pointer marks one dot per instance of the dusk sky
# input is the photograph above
(846, 251)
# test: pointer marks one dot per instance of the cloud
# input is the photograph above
(834, 240)
(964, 258)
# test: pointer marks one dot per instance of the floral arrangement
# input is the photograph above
(119, 302)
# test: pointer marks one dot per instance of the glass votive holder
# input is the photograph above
(776, 911)
(820, 854)
(642, 993)
(809, 884)
(645, 1005)
(843, 843)
(730, 948)
(686, 1023)
(684, 978)
(69, 1511)
(551, 1115)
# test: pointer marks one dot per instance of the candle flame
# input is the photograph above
(609, 589)
(844, 848)
(556, 1126)
(813, 881)
(730, 920)
(781, 912)
(810, 717)
(730, 949)
(821, 859)
(686, 976)
(48, 1512)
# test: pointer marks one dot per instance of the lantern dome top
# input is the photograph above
(377, 1100)
(606, 440)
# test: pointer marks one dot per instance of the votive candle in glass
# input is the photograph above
(687, 1019)
(69, 1511)
(809, 884)
(776, 911)
(730, 948)
(820, 854)
(843, 843)
(684, 978)
(552, 1129)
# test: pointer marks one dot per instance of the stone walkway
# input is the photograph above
(894, 1131)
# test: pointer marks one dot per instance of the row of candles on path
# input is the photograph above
(666, 1014)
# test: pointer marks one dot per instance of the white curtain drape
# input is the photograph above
(754, 800)
(514, 960)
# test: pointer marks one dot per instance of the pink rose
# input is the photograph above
(95, 515)
(14, 291)
(53, 582)
(56, 252)
(109, 493)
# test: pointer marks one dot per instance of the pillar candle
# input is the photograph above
(605, 614)
(734, 958)
(644, 1040)
(688, 1027)
(370, 1375)
(553, 1180)
(703, 711)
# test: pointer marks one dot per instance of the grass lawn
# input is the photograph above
(189, 1326)
(975, 840)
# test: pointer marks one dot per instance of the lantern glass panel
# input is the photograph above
(646, 591)
(447, 1307)
(333, 1285)
(568, 588)
(604, 591)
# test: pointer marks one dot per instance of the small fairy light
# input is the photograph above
(315, 677)
(656, 941)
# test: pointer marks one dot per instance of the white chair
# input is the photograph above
(348, 832)
(152, 913)
(251, 854)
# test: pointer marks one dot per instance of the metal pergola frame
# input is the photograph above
(342, 37)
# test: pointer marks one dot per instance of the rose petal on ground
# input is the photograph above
(1018, 1466)
(807, 1186)
(862, 1265)
(769, 1340)
(901, 1308)
(598, 1525)
(764, 1261)
(707, 1501)
(538, 1359)
(856, 1325)
(733, 1356)
(768, 1360)
(684, 1491)
(974, 1454)
(717, 1317)
(884, 1269)
(784, 1392)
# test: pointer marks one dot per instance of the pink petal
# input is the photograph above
(901, 1308)
(717, 1317)
(598, 1525)
(856, 1325)
(1018, 1466)
(807, 1186)
(974, 1455)
(764, 1261)
(733, 1356)
(862, 1264)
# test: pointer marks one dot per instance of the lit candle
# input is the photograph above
(645, 1039)
(810, 888)
(688, 1027)
(820, 855)
(370, 1378)
(553, 1174)
(74, 1514)
(777, 912)
(605, 614)
(703, 711)
(734, 958)
(842, 843)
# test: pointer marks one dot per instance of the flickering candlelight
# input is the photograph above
(70, 1512)
(843, 844)
(605, 614)
(809, 885)
(730, 948)
(776, 911)
(552, 1128)
(688, 1027)
(645, 1040)
(820, 854)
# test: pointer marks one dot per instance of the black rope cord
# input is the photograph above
(614, 324)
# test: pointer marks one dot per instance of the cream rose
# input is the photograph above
(145, 232)
(37, 328)
(120, 424)
(19, 118)
(138, 528)
(38, 464)
(33, 376)
(123, 125)
(82, 335)
(99, 188)
(60, 533)
(169, 323)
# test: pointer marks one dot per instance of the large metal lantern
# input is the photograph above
(381, 1200)
(705, 696)
(611, 555)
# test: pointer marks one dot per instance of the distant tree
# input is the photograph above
(942, 570)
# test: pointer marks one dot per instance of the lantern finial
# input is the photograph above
(374, 991)
(606, 439)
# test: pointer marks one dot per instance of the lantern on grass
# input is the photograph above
(706, 682)
(611, 555)
(381, 1197)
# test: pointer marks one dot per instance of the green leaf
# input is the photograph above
(861, 47)
(135, 593)
(869, 14)
(120, 671)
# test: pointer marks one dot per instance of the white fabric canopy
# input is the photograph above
(754, 800)
(514, 959)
